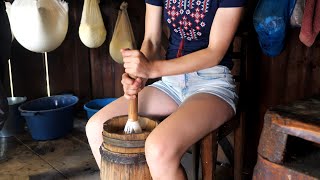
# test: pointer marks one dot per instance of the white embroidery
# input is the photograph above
(183, 20)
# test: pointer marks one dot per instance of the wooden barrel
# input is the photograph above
(122, 155)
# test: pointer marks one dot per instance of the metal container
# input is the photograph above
(15, 122)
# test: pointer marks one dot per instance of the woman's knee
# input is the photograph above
(159, 151)
(93, 126)
(153, 150)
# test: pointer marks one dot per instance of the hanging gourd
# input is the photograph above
(123, 36)
(92, 31)
(39, 25)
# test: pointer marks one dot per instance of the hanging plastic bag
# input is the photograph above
(8, 10)
(123, 36)
(92, 31)
(40, 25)
(270, 21)
(297, 14)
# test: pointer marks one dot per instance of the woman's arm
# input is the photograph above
(222, 31)
(150, 50)
(152, 37)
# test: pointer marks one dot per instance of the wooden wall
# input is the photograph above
(292, 75)
(74, 68)
(106, 73)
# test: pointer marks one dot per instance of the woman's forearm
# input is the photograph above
(195, 61)
(150, 49)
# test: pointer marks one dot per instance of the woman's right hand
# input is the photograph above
(131, 87)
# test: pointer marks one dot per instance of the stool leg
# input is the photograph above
(238, 149)
(195, 160)
(208, 151)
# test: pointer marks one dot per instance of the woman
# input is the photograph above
(196, 93)
(5, 46)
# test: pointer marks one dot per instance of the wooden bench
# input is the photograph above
(284, 125)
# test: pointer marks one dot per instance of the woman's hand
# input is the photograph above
(137, 65)
(131, 87)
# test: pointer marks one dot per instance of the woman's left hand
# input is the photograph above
(136, 64)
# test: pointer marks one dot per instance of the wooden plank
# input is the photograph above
(268, 170)
(27, 72)
(80, 56)
(208, 152)
(15, 177)
(272, 143)
(19, 162)
(297, 128)
(69, 155)
(304, 110)
(228, 149)
(299, 118)
(239, 141)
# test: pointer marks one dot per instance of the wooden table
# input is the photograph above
(289, 146)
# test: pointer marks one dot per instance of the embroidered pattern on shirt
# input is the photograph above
(187, 17)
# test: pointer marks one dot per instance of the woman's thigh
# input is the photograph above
(151, 103)
(196, 117)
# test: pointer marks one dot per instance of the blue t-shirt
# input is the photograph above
(190, 22)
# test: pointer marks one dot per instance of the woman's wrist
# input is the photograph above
(156, 69)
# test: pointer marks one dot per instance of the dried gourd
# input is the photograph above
(122, 36)
(41, 25)
(92, 31)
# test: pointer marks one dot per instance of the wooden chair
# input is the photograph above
(207, 147)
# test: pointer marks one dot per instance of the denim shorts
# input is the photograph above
(216, 80)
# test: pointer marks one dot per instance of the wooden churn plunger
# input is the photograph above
(122, 150)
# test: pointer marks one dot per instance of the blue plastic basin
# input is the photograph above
(49, 117)
(95, 105)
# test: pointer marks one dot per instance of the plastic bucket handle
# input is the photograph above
(29, 113)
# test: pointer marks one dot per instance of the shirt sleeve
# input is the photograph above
(155, 2)
(232, 3)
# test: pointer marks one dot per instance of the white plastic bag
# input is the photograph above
(92, 31)
(297, 14)
(39, 25)
(8, 10)
(123, 36)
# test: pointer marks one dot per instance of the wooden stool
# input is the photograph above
(300, 119)
(206, 149)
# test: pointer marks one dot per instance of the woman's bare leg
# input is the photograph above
(152, 102)
(196, 117)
